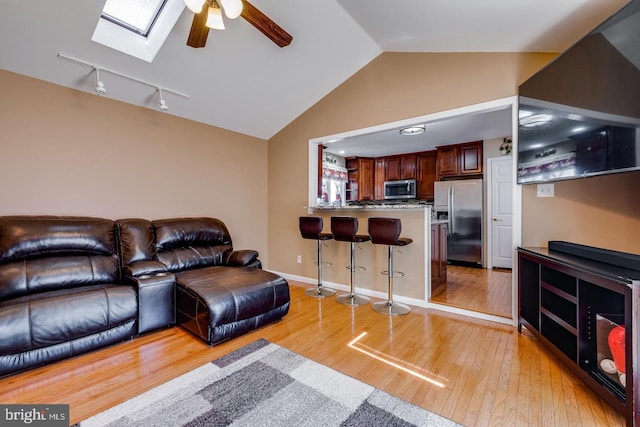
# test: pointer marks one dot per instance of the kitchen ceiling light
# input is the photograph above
(412, 130)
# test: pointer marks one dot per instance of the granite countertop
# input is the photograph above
(374, 206)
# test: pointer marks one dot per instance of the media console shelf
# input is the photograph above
(582, 303)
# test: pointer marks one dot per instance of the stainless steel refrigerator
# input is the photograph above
(460, 203)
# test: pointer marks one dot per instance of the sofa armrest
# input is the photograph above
(143, 268)
(243, 257)
(156, 294)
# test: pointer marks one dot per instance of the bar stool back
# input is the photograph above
(344, 229)
(311, 228)
(386, 231)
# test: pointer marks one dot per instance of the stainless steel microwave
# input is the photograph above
(404, 189)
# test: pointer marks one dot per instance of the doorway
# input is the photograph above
(490, 115)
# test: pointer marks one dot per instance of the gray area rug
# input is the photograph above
(263, 384)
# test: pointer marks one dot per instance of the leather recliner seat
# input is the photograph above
(220, 292)
(61, 292)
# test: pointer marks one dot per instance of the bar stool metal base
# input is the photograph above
(352, 299)
(319, 292)
(391, 308)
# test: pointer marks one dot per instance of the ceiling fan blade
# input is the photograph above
(265, 25)
(199, 31)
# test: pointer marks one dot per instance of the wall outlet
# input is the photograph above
(545, 190)
(299, 259)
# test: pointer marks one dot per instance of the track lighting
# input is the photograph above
(163, 104)
(100, 89)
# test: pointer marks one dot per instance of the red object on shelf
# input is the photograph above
(616, 345)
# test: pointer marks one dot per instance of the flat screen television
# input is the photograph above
(580, 115)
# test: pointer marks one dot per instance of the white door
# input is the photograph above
(501, 212)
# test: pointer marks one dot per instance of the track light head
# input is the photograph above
(163, 104)
(100, 89)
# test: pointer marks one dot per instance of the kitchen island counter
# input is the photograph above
(386, 207)
(413, 259)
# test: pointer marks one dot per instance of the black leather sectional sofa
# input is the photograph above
(69, 285)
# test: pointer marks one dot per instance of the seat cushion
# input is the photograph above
(218, 302)
(50, 318)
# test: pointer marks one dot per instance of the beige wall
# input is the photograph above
(392, 87)
(69, 152)
(601, 211)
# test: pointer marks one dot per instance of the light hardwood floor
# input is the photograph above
(479, 289)
(490, 374)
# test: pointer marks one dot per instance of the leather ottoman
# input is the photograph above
(219, 302)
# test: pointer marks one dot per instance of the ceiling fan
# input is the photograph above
(211, 17)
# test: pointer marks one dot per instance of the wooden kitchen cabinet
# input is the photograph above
(393, 171)
(360, 173)
(470, 158)
(460, 159)
(438, 255)
(379, 178)
(408, 166)
(425, 174)
(448, 161)
(400, 167)
(365, 181)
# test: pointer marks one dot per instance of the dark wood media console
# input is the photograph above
(578, 300)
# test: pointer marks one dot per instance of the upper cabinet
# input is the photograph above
(425, 174)
(460, 159)
(360, 183)
(392, 168)
(379, 176)
(400, 167)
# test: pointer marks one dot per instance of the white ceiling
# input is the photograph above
(243, 82)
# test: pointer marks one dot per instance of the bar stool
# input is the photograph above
(311, 228)
(344, 229)
(386, 231)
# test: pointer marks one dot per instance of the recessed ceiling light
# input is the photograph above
(412, 130)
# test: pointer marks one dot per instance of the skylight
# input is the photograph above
(135, 15)
(137, 27)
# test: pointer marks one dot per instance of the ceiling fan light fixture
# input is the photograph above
(195, 6)
(232, 8)
(214, 18)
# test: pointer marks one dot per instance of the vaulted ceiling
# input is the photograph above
(243, 82)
